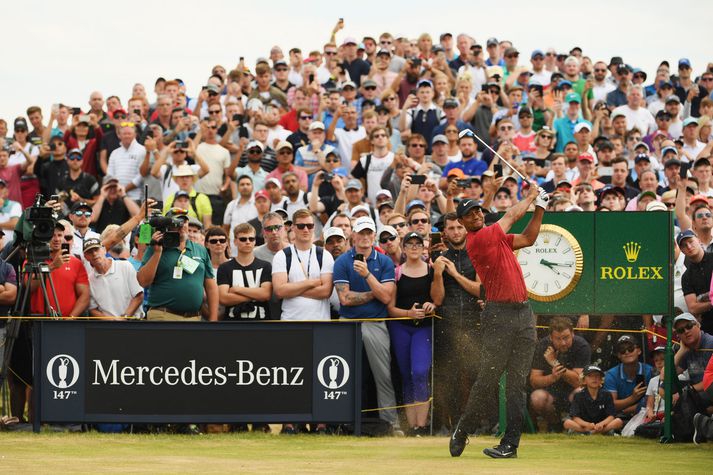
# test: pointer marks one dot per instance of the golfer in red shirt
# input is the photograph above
(507, 322)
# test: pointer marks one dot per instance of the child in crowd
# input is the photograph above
(592, 410)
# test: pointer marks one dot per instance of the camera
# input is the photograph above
(53, 146)
(35, 229)
(327, 176)
(245, 307)
(238, 118)
(164, 224)
(76, 111)
(463, 183)
(181, 144)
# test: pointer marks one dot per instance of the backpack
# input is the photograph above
(288, 257)
(688, 404)
(305, 200)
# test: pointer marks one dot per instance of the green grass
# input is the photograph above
(253, 453)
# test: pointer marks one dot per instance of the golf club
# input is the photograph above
(470, 132)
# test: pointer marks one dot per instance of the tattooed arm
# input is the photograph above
(350, 298)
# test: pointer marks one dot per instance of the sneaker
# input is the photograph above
(502, 451)
(700, 422)
(458, 441)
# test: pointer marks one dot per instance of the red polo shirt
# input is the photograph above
(490, 251)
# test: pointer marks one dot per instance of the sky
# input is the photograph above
(61, 51)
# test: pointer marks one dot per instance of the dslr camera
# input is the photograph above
(169, 227)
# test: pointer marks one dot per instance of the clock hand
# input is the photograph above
(549, 265)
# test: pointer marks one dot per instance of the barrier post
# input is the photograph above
(670, 370)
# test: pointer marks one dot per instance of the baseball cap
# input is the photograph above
(349, 84)
(659, 349)
(626, 340)
(586, 157)
(456, 172)
(414, 204)
(450, 103)
(262, 194)
(510, 50)
(333, 231)
(690, 121)
(537, 52)
(589, 369)
(109, 179)
(465, 206)
(573, 97)
(255, 144)
(642, 157)
(383, 51)
(524, 111)
(20, 123)
(383, 192)
(74, 151)
(181, 194)
(688, 233)
(279, 62)
(412, 235)
(582, 125)
(195, 222)
(424, 83)
(118, 112)
(644, 194)
(353, 184)
(81, 205)
(283, 144)
(684, 62)
(685, 317)
(387, 203)
(349, 41)
(492, 42)
(643, 145)
(564, 183)
(440, 138)
(611, 189)
(91, 243)
(360, 208)
(363, 223)
(656, 206)
(316, 125)
(212, 88)
(673, 98)
(563, 83)
(369, 83)
(388, 229)
(274, 181)
(698, 198)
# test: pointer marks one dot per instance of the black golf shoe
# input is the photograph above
(502, 451)
(458, 441)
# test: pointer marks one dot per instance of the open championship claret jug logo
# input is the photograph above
(62, 371)
(333, 372)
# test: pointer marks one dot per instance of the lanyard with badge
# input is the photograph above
(184, 263)
(309, 261)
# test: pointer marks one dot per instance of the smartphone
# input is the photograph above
(138, 112)
(400, 150)
(242, 58)
(65, 248)
(435, 238)
(54, 198)
(311, 78)
(683, 172)
(359, 257)
(418, 179)
(76, 111)
(463, 183)
(640, 379)
(498, 169)
(238, 118)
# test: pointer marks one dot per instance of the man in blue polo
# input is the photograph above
(564, 126)
(365, 284)
(470, 163)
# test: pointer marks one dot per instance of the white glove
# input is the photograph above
(542, 199)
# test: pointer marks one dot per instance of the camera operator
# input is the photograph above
(177, 276)
(69, 277)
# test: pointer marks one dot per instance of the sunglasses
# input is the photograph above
(550, 54)
(413, 245)
(417, 145)
(380, 136)
(400, 225)
(385, 42)
(254, 151)
(389, 99)
(331, 160)
(82, 213)
(245, 239)
(280, 70)
(273, 229)
(685, 328)
(302, 226)
(503, 129)
(387, 239)
(212, 94)
(420, 221)
(119, 116)
(214, 111)
(214, 127)
(218, 241)
(706, 214)
(74, 157)
(328, 53)
(305, 117)
(285, 152)
(370, 88)
(628, 349)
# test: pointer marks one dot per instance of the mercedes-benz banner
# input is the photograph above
(197, 372)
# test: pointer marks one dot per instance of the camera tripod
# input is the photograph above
(33, 269)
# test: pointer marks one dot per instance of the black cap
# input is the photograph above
(412, 235)
(626, 340)
(640, 157)
(589, 369)
(81, 205)
(450, 103)
(616, 60)
(465, 206)
(611, 189)
(672, 162)
(20, 123)
(181, 194)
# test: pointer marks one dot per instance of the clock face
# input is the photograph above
(553, 265)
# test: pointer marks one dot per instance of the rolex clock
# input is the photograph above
(553, 265)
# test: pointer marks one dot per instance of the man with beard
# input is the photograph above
(559, 360)
(507, 322)
(456, 290)
(114, 290)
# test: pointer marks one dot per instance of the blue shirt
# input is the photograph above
(564, 128)
(328, 117)
(472, 167)
(617, 381)
(380, 266)
(695, 361)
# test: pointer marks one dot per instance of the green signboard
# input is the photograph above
(600, 263)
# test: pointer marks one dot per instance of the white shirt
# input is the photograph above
(18, 158)
(345, 140)
(168, 184)
(695, 149)
(218, 159)
(304, 263)
(640, 118)
(600, 91)
(477, 77)
(544, 77)
(376, 170)
(112, 292)
(124, 165)
(235, 214)
(77, 248)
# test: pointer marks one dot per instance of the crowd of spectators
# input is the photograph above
(321, 185)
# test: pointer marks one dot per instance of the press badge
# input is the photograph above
(178, 272)
(188, 264)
